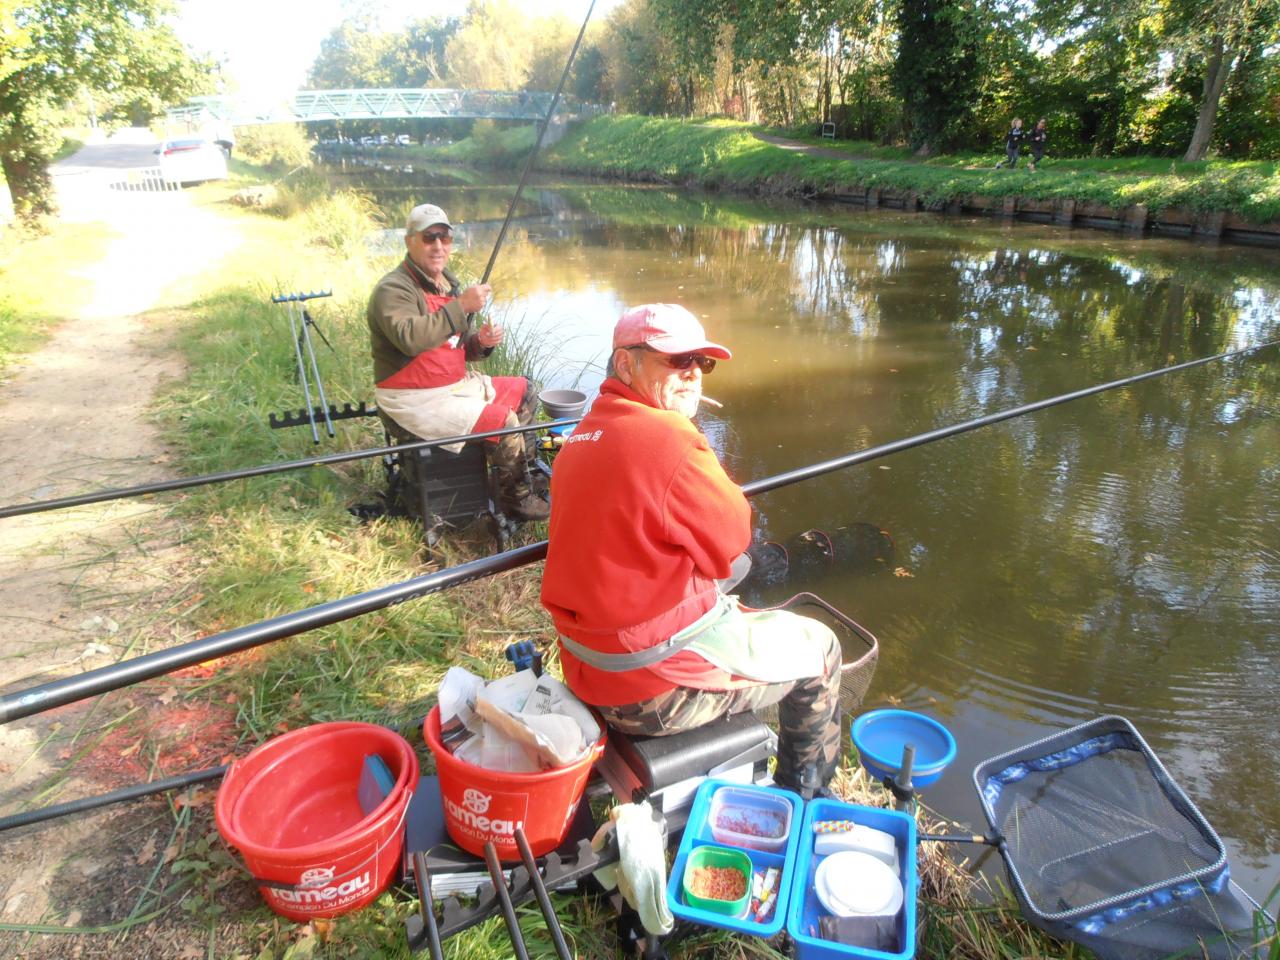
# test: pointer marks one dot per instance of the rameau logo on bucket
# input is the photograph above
(316, 877)
(475, 818)
(333, 895)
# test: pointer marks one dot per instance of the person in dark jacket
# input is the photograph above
(1038, 138)
(1012, 143)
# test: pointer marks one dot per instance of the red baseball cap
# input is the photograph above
(667, 328)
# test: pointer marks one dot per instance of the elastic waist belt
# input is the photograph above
(622, 662)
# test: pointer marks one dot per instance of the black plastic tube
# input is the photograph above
(540, 891)
(426, 902)
(135, 792)
(46, 696)
(37, 699)
(183, 483)
(504, 901)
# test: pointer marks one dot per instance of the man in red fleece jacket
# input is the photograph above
(644, 521)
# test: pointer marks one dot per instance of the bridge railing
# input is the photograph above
(423, 103)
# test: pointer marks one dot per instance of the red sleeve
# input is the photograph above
(706, 513)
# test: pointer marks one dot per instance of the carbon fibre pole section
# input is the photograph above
(184, 483)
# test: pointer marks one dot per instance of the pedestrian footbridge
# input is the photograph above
(308, 106)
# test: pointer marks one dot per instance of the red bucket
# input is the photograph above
(291, 808)
(483, 805)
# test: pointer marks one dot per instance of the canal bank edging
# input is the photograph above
(1207, 225)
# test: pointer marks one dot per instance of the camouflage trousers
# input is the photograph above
(510, 455)
(808, 717)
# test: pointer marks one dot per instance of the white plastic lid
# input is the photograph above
(852, 883)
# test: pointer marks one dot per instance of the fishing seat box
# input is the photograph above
(668, 770)
(437, 486)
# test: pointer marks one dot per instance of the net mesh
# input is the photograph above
(859, 650)
(1104, 848)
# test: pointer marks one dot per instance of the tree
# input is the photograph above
(50, 50)
(492, 50)
(936, 73)
(1218, 34)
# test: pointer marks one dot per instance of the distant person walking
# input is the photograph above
(1038, 137)
(1012, 143)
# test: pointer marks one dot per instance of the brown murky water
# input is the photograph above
(1118, 554)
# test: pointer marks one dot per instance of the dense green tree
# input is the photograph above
(492, 48)
(50, 50)
(642, 59)
(937, 70)
(1218, 35)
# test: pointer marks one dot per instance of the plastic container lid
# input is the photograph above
(852, 883)
(752, 818)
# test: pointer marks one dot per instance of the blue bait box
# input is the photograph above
(804, 909)
(698, 833)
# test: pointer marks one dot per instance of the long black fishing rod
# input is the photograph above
(543, 126)
(38, 699)
(183, 483)
(827, 466)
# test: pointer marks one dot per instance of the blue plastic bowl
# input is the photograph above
(880, 736)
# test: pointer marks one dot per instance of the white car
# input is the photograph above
(191, 160)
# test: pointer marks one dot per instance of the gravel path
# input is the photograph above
(78, 587)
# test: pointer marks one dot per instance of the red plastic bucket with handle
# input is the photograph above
(291, 808)
(487, 805)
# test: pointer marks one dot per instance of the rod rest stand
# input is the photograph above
(288, 418)
(556, 872)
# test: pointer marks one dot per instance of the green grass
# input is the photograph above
(725, 154)
(34, 294)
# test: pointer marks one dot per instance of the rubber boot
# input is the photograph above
(518, 500)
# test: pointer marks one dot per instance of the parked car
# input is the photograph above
(404, 140)
(191, 160)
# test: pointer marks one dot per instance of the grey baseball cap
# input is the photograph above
(426, 215)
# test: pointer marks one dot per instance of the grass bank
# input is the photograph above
(34, 294)
(272, 545)
(723, 154)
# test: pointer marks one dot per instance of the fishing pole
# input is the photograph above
(56, 693)
(543, 126)
(183, 483)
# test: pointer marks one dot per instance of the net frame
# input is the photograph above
(1074, 746)
(859, 651)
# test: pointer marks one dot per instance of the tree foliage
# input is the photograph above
(50, 50)
(936, 73)
(1110, 76)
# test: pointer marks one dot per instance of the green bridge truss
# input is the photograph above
(315, 105)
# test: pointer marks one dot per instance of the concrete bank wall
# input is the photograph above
(1135, 219)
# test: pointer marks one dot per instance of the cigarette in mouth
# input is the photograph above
(715, 403)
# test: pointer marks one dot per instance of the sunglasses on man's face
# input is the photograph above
(429, 237)
(683, 361)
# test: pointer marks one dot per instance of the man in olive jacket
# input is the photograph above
(422, 337)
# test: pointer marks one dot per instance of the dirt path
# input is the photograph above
(80, 588)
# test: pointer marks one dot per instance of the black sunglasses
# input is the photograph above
(429, 238)
(683, 361)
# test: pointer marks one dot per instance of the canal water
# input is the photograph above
(1115, 555)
